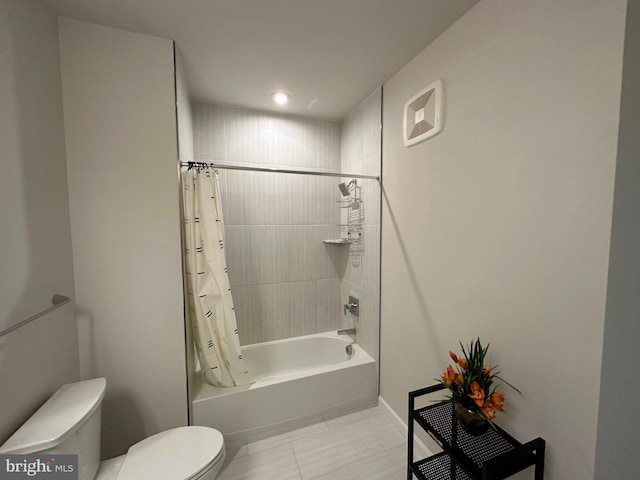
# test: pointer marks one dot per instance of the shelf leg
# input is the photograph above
(454, 438)
(539, 471)
(410, 438)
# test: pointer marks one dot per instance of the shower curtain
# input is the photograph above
(210, 310)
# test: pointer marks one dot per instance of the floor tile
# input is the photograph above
(362, 444)
(342, 473)
(236, 451)
(388, 465)
(351, 434)
(385, 431)
(287, 437)
(329, 455)
(277, 463)
(341, 420)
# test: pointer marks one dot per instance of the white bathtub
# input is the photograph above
(297, 379)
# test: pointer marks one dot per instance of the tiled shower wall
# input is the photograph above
(285, 281)
(361, 154)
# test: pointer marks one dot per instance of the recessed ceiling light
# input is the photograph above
(280, 97)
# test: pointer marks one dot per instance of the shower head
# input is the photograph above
(345, 188)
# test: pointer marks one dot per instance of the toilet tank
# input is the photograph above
(69, 422)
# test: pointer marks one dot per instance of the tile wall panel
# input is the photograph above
(281, 310)
(261, 254)
(360, 154)
(328, 194)
(370, 191)
(331, 259)
(257, 198)
(208, 132)
(363, 268)
(304, 199)
(327, 146)
(328, 305)
(303, 308)
(285, 280)
(366, 324)
(372, 124)
(241, 136)
(296, 141)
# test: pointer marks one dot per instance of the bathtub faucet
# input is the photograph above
(347, 331)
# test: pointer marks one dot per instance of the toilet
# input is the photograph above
(69, 422)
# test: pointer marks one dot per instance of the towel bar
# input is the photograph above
(57, 301)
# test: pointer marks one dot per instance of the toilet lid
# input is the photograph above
(176, 454)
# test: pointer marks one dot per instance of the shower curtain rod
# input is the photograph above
(277, 170)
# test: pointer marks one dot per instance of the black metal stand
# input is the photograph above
(494, 455)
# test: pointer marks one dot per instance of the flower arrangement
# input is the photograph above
(471, 382)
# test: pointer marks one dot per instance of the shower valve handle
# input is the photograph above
(352, 307)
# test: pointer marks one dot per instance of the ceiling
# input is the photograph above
(328, 54)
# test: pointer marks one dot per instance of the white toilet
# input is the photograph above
(69, 422)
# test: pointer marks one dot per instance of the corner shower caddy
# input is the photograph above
(494, 455)
(352, 213)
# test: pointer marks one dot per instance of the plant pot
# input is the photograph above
(470, 421)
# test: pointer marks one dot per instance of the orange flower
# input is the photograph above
(459, 380)
(449, 376)
(497, 400)
(477, 393)
(489, 409)
(463, 363)
(486, 371)
(453, 356)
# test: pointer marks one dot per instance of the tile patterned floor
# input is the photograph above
(357, 446)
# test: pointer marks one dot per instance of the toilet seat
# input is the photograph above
(183, 453)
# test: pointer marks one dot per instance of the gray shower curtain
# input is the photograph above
(210, 310)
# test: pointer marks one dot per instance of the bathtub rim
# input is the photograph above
(202, 391)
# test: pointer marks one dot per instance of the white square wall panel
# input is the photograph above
(423, 114)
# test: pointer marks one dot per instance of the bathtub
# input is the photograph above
(296, 380)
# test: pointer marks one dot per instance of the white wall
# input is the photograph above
(499, 226)
(120, 126)
(35, 238)
(617, 445)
